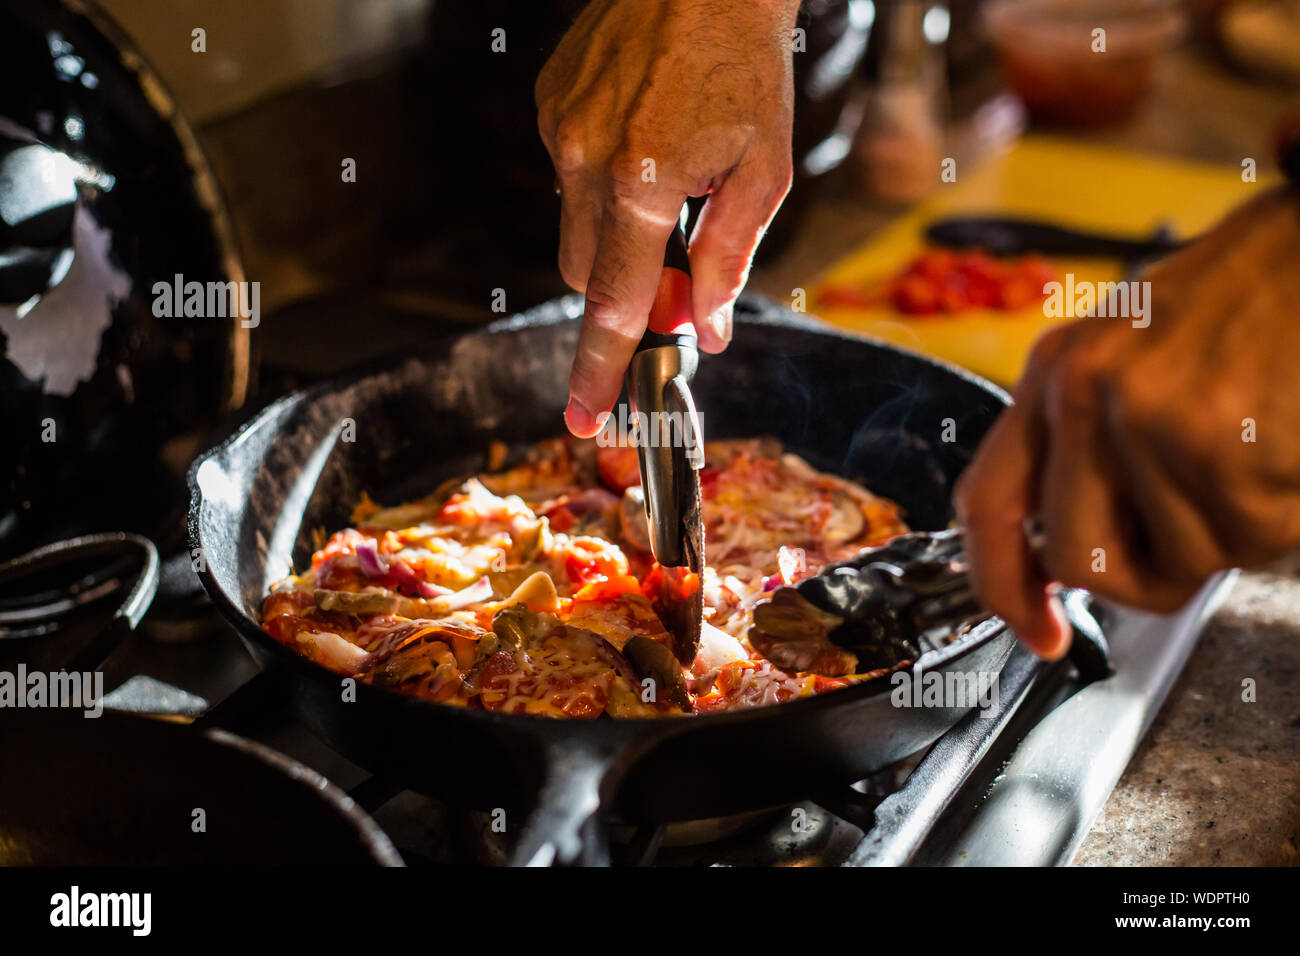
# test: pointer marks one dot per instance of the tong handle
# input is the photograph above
(658, 386)
(670, 314)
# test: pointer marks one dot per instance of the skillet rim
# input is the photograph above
(554, 312)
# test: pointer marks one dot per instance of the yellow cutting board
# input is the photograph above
(1085, 187)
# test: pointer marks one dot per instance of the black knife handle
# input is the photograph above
(1013, 237)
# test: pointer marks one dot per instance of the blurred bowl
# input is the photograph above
(1045, 49)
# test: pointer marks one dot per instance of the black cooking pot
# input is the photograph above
(124, 790)
(862, 409)
(104, 193)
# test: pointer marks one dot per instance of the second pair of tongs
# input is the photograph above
(891, 604)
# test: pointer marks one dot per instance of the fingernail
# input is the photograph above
(1052, 640)
(580, 419)
(720, 322)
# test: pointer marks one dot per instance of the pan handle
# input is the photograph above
(68, 599)
(569, 824)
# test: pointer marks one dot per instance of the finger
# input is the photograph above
(994, 498)
(1080, 486)
(579, 226)
(730, 228)
(1088, 532)
(624, 277)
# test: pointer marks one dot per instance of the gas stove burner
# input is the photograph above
(430, 832)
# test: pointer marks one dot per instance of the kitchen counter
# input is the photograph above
(1216, 781)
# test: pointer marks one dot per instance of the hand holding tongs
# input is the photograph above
(891, 604)
(670, 448)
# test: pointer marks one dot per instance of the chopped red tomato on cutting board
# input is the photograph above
(946, 282)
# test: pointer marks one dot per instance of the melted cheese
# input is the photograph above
(766, 519)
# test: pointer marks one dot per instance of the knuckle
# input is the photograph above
(1175, 426)
(606, 307)
(1225, 401)
(627, 167)
(1137, 407)
(1076, 385)
(570, 146)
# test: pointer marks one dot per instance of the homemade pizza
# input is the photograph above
(530, 589)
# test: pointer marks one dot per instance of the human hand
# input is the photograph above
(1153, 456)
(644, 103)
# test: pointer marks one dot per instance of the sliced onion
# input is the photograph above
(336, 653)
(370, 561)
(480, 590)
(409, 580)
(430, 590)
(405, 575)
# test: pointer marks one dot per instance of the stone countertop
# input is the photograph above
(1216, 781)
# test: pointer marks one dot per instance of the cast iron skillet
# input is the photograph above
(859, 408)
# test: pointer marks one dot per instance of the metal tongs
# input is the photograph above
(670, 449)
(891, 604)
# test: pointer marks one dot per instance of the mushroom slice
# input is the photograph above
(655, 661)
(632, 520)
(430, 665)
(517, 627)
(375, 601)
(794, 634)
(846, 520)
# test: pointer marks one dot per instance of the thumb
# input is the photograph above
(730, 228)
